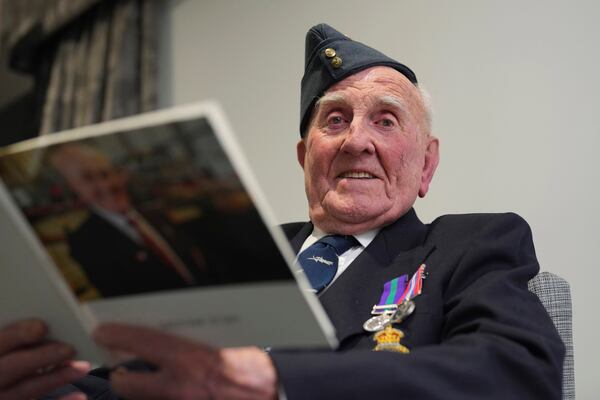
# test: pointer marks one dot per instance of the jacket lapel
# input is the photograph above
(297, 239)
(398, 249)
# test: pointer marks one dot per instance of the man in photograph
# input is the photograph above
(119, 249)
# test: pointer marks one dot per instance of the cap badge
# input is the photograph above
(336, 62)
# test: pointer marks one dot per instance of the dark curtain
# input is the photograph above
(92, 60)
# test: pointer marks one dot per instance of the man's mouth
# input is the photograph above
(356, 175)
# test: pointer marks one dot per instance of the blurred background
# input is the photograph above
(514, 84)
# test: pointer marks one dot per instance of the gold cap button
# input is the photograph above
(329, 52)
(336, 62)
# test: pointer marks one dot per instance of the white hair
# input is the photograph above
(427, 107)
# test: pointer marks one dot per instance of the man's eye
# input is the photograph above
(385, 122)
(335, 120)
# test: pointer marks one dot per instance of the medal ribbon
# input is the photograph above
(399, 289)
(392, 290)
(414, 286)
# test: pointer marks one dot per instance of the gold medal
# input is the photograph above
(389, 340)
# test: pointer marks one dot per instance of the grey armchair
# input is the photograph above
(555, 295)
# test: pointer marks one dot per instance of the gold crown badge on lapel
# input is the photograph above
(389, 340)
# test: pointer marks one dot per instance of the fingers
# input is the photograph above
(249, 367)
(30, 367)
(245, 372)
(22, 333)
(149, 344)
(17, 364)
(36, 386)
(83, 367)
(186, 369)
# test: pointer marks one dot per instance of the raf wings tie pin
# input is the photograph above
(320, 260)
(394, 306)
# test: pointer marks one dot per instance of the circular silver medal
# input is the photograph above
(376, 323)
(404, 310)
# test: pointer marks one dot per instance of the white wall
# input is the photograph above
(515, 86)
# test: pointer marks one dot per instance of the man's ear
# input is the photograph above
(301, 152)
(432, 158)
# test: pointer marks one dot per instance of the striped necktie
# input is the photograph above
(159, 247)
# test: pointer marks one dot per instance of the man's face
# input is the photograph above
(93, 178)
(367, 155)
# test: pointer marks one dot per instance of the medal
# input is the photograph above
(141, 256)
(395, 305)
(389, 340)
(377, 322)
(404, 310)
(398, 290)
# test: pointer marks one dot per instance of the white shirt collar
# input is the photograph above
(114, 217)
(364, 238)
(119, 221)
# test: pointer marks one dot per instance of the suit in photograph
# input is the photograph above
(117, 265)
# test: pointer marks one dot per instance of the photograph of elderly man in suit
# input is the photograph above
(120, 250)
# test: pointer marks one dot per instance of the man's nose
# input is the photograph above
(358, 138)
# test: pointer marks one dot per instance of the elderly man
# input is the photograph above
(367, 153)
(141, 258)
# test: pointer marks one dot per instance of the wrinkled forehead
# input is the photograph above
(379, 80)
(377, 86)
(366, 101)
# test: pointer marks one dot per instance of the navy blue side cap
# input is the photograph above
(330, 57)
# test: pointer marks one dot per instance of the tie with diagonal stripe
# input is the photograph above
(320, 260)
(159, 247)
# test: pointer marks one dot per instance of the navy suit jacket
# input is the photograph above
(476, 333)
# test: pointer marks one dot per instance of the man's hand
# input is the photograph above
(187, 369)
(31, 366)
